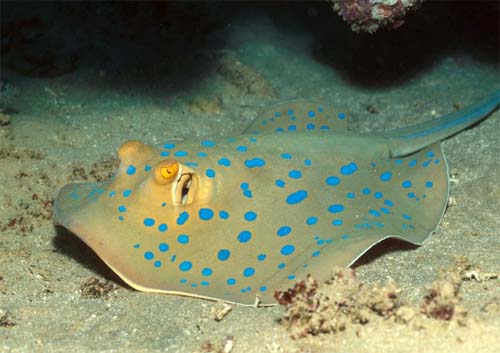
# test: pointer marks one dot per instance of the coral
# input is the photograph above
(442, 299)
(94, 288)
(342, 301)
(370, 15)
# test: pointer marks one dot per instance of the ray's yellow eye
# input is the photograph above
(170, 171)
(166, 172)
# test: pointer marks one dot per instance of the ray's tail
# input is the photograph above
(410, 139)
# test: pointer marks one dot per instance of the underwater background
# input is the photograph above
(79, 79)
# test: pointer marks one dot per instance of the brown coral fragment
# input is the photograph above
(442, 299)
(342, 301)
(94, 288)
(371, 15)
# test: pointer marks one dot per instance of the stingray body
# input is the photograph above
(236, 219)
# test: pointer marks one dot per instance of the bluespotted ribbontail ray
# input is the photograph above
(236, 219)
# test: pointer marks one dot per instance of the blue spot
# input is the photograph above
(279, 183)
(374, 213)
(281, 266)
(296, 197)
(250, 216)
(336, 208)
(311, 114)
(164, 153)
(287, 249)
(223, 214)
(127, 193)
(147, 168)
(163, 204)
(426, 163)
(324, 127)
(208, 143)
(224, 162)
(277, 114)
(286, 156)
(316, 253)
(157, 264)
(385, 210)
(210, 173)
(341, 116)
(283, 231)
(289, 112)
(137, 246)
(183, 280)
(388, 203)
(292, 128)
(406, 184)
(131, 170)
(311, 220)
(204, 283)
(386, 176)
(412, 163)
(255, 163)
(310, 126)
(183, 217)
(121, 218)
(148, 255)
(378, 195)
(428, 184)
(163, 247)
(244, 186)
(180, 154)
(332, 180)
(112, 193)
(411, 195)
(191, 164)
(344, 236)
(183, 239)
(430, 154)
(162, 227)
(247, 193)
(231, 281)
(201, 154)
(149, 222)
(295, 174)
(366, 191)
(172, 259)
(223, 254)
(337, 222)
(398, 161)
(263, 288)
(185, 266)
(307, 162)
(280, 129)
(349, 169)
(291, 277)
(169, 145)
(242, 148)
(261, 257)
(122, 208)
(350, 195)
(244, 236)
(248, 272)
(206, 272)
(205, 214)
(405, 216)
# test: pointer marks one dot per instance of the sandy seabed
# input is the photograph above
(55, 293)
